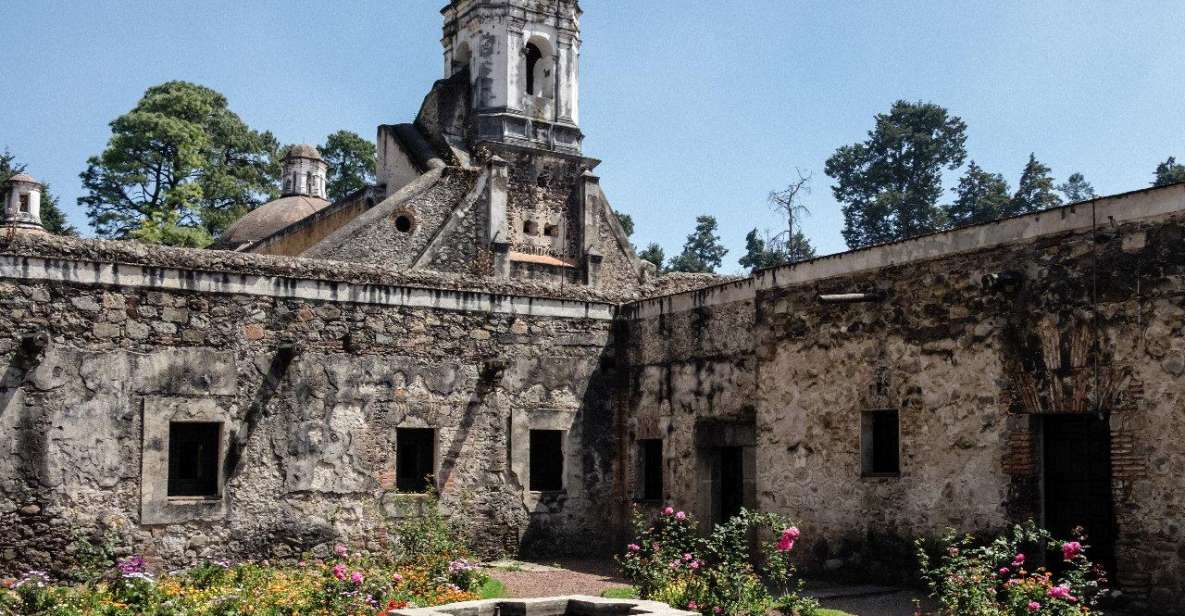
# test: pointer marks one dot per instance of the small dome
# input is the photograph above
(21, 177)
(303, 150)
(271, 217)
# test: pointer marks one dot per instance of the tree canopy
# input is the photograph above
(890, 184)
(1169, 172)
(654, 254)
(1035, 190)
(1076, 189)
(351, 161)
(52, 216)
(980, 197)
(627, 224)
(178, 169)
(703, 252)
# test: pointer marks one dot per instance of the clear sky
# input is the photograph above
(695, 106)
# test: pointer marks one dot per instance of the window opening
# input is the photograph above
(881, 442)
(193, 459)
(547, 460)
(415, 459)
(534, 55)
(650, 451)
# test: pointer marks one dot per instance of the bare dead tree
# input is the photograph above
(788, 204)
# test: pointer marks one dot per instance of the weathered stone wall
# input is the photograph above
(970, 366)
(311, 393)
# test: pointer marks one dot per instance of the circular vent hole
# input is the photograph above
(403, 224)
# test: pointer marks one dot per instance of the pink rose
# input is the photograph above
(1034, 606)
(1003, 571)
(1019, 560)
(397, 578)
(356, 577)
(1071, 549)
(668, 511)
(680, 516)
(687, 557)
(694, 564)
(1060, 592)
(633, 547)
(691, 605)
(340, 550)
(339, 571)
(789, 536)
(718, 610)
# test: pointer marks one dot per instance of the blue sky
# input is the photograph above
(695, 106)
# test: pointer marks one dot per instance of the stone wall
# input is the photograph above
(97, 358)
(972, 363)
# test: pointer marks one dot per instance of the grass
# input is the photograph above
(620, 592)
(492, 589)
(826, 612)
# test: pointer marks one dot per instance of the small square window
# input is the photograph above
(547, 460)
(650, 473)
(193, 459)
(415, 459)
(880, 441)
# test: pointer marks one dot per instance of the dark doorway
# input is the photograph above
(547, 460)
(1077, 482)
(730, 488)
(415, 459)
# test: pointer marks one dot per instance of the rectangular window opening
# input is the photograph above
(193, 459)
(547, 460)
(650, 457)
(415, 459)
(881, 443)
(24, 199)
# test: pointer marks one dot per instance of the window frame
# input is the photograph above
(173, 484)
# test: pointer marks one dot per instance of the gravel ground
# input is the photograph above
(896, 604)
(566, 577)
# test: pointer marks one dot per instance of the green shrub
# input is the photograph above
(670, 562)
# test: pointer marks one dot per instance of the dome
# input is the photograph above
(21, 177)
(303, 150)
(271, 217)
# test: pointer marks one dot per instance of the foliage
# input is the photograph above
(1034, 192)
(429, 569)
(981, 197)
(1169, 172)
(993, 579)
(703, 252)
(890, 184)
(671, 562)
(654, 254)
(52, 216)
(1076, 189)
(351, 161)
(773, 251)
(181, 164)
(627, 224)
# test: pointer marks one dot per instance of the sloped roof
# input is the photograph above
(271, 217)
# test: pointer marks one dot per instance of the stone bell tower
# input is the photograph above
(523, 58)
(22, 204)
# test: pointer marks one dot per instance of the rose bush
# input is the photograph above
(1001, 579)
(670, 561)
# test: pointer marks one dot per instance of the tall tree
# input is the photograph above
(627, 224)
(654, 254)
(179, 167)
(703, 252)
(762, 253)
(351, 161)
(1076, 189)
(890, 184)
(788, 203)
(980, 197)
(1169, 172)
(1034, 192)
(52, 217)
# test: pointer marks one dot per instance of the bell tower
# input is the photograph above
(523, 60)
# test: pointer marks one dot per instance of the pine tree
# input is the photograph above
(654, 254)
(982, 197)
(1076, 189)
(351, 162)
(1169, 172)
(703, 252)
(1034, 191)
(890, 184)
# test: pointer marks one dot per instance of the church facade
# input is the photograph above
(477, 327)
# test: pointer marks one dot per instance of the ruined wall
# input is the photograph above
(971, 366)
(310, 392)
